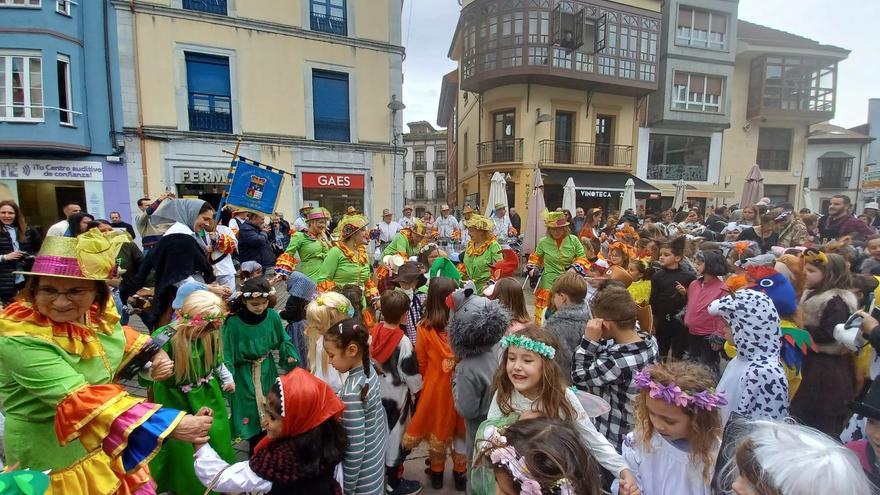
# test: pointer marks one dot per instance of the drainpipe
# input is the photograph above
(113, 143)
(137, 85)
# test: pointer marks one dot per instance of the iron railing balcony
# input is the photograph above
(669, 171)
(329, 24)
(420, 165)
(587, 154)
(501, 151)
(209, 6)
(211, 113)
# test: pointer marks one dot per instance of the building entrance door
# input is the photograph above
(604, 139)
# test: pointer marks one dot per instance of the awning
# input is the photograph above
(836, 154)
(597, 181)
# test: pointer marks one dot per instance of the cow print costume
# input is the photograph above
(754, 381)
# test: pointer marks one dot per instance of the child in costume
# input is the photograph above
(678, 429)
(705, 331)
(476, 324)
(395, 361)
(304, 442)
(195, 347)
(619, 254)
(325, 311)
(611, 353)
(348, 350)
(641, 272)
(249, 337)
(301, 291)
(529, 382)
(509, 294)
(411, 281)
(555, 253)
(570, 318)
(668, 298)
(868, 449)
(563, 466)
(435, 419)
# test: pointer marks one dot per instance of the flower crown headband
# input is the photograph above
(254, 295)
(201, 320)
(342, 308)
(504, 455)
(528, 344)
(672, 394)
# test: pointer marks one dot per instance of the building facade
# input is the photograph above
(60, 109)
(311, 87)
(425, 168)
(835, 163)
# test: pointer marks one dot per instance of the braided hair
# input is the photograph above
(348, 332)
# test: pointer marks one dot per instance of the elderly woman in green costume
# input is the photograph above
(311, 245)
(482, 251)
(408, 241)
(555, 253)
(347, 262)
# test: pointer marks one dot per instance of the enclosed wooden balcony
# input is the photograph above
(792, 87)
(598, 45)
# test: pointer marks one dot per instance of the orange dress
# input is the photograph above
(435, 419)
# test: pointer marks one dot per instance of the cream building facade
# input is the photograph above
(425, 177)
(311, 87)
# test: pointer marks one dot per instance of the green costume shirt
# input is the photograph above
(557, 257)
(340, 269)
(311, 253)
(479, 266)
(401, 244)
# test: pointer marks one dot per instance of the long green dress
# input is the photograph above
(243, 345)
(172, 468)
(342, 267)
(478, 261)
(311, 253)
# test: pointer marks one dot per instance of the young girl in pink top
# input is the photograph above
(705, 332)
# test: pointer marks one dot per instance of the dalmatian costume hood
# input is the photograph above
(754, 381)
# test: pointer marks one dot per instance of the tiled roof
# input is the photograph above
(763, 35)
(821, 132)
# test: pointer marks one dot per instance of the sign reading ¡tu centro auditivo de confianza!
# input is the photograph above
(254, 188)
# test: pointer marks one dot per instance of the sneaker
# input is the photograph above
(406, 487)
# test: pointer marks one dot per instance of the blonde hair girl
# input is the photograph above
(326, 310)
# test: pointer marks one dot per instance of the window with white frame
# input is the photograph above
(697, 92)
(21, 87)
(62, 6)
(65, 103)
(33, 4)
(701, 28)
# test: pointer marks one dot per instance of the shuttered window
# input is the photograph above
(209, 92)
(331, 108)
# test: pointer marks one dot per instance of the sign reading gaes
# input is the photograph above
(332, 181)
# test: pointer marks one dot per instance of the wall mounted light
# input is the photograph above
(541, 117)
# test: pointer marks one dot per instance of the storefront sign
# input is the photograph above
(51, 170)
(591, 193)
(254, 188)
(200, 175)
(332, 181)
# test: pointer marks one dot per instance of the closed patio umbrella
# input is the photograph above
(754, 188)
(569, 196)
(534, 228)
(497, 193)
(628, 202)
(808, 199)
(680, 194)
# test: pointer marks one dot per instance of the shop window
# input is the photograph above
(774, 148)
(209, 6)
(65, 105)
(329, 16)
(21, 88)
(674, 157)
(701, 28)
(697, 92)
(32, 4)
(209, 93)
(331, 106)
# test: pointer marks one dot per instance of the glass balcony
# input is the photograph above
(667, 171)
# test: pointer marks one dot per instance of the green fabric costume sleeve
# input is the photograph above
(328, 268)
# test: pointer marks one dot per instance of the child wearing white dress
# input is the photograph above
(673, 448)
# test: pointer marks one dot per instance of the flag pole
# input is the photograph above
(228, 179)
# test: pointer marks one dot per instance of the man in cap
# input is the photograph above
(871, 208)
(446, 226)
(407, 220)
(299, 225)
(792, 231)
(387, 229)
(502, 222)
(466, 215)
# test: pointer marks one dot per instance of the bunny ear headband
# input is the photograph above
(504, 455)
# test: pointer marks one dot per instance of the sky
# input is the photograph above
(428, 26)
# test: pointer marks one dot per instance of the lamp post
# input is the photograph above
(396, 106)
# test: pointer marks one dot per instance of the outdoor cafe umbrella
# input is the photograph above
(569, 196)
(754, 188)
(628, 202)
(808, 199)
(534, 228)
(497, 193)
(680, 194)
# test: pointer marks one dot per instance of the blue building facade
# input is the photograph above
(60, 109)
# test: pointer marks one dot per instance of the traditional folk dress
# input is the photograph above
(172, 467)
(402, 244)
(65, 413)
(248, 342)
(311, 251)
(341, 267)
(478, 261)
(554, 257)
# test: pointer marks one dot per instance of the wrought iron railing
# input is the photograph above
(420, 164)
(589, 154)
(668, 171)
(210, 6)
(329, 24)
(210, 113)
(501, 151)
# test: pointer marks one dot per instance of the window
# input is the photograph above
(330, 103)
(777, 194)
(537, 55)
(674, 157)
(33, 4)
(440, 157)
(835, 170)
(419, 161)
(62, 7)
(701, 28)
(441, 187)
(794, 83)
(774, 148)
(539, 27)
(329, 16)
(420, 187)
(209, 6)
(209, 92)
(697, 92)
(511, 57)
(21, 88)
(65, 105)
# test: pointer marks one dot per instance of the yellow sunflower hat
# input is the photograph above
(554, 218)
(91, 256)
(480, 222)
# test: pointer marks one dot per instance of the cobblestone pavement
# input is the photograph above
(415, 464)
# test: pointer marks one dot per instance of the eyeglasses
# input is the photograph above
(73, 295)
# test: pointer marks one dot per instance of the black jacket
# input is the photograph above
(29, 244)
(665, 300)
(253, 245)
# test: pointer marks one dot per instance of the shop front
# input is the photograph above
(205, 183)
(41, 188)
(334, 191)
(597, 190)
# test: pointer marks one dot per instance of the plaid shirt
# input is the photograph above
(607, 369)
(414, 315)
